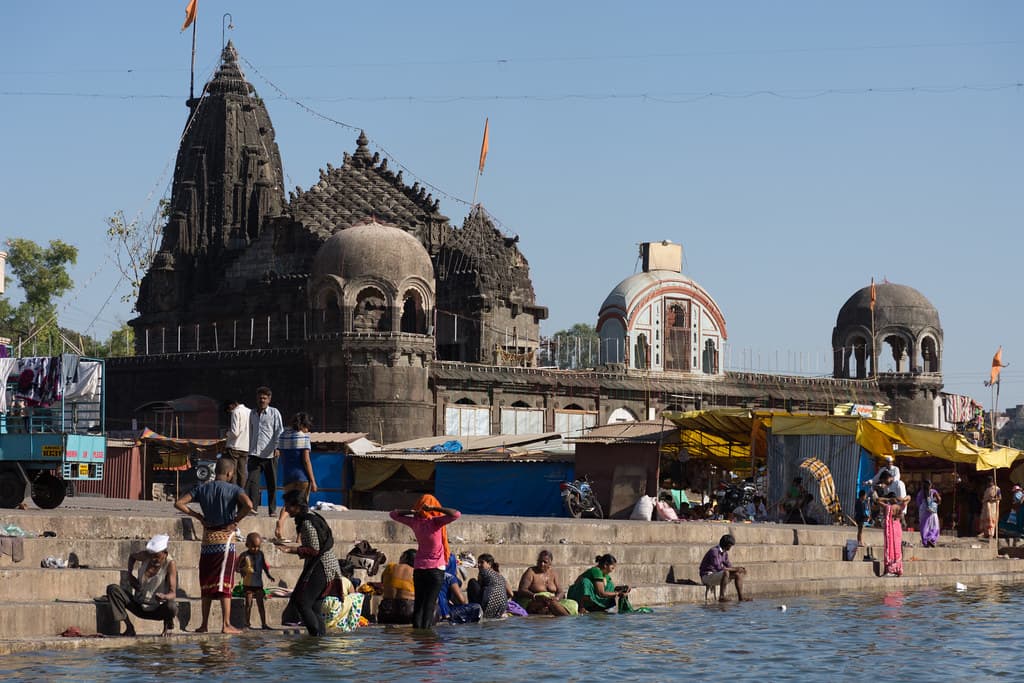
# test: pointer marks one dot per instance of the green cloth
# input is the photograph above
(571, 606)
(625, 607)
(679, 498)
(584, 587)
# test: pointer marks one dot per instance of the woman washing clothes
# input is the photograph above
(428, 520)
(594, 589)
(321, 575)
(398, 591)
(540, 592)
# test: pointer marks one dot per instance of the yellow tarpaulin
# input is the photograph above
(725, 435)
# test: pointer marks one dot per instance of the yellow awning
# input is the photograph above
(724, 436)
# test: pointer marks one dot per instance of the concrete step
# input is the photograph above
(43, 619)
(46, 585)
(114, 552)
(476, 529)
(669, 594)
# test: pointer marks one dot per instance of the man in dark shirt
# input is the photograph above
(716, 570)
(224, 504)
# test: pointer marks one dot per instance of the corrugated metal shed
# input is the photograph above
(511, 456)
(471, 443)
(637, 432)
(335, 437)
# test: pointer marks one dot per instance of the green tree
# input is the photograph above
(121, 342)
(41, 274)
(574, 348)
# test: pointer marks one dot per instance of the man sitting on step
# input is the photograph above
(716, 571)
(153, 588)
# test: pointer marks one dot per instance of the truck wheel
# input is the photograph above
(48, 491)
(12, 489)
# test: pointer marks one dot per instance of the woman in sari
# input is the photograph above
(990, 509)
(892, 529)
(928, 500)
(594, 590)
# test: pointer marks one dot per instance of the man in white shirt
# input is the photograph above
(265, 427)
(238, 438)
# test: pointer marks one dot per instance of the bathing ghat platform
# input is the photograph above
(658, 559)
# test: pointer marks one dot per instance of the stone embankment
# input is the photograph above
(654, 557)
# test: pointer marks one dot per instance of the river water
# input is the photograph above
(925, 635)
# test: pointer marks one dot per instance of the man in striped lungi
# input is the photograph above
(223, 505)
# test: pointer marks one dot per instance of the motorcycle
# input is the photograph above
(579, 498)
(732, 496)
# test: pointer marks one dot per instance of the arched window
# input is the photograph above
(371, 313)
(466, 402)
(330, 314)
(414, 318)
(929, 355)
(709, 358)
(640, 352)
(898, 346)
(520, 404)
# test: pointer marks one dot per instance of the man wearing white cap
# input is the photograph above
(154, 586)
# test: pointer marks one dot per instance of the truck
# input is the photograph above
(50, 439)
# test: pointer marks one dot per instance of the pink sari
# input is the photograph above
(893, 541)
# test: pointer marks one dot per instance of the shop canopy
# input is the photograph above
(725, 437)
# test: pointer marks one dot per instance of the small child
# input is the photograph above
(252, 565)
(861, 512)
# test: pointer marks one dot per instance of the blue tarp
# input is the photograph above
(327, 468)
(526, 489)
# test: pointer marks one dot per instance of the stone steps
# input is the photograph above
(782, 560)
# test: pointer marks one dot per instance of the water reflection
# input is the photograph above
(966, 635)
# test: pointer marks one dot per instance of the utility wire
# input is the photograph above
(680, 97)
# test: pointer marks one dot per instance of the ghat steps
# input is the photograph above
(782, 560)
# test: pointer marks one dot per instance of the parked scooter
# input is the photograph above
(579, 499)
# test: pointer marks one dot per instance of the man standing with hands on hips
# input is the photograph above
(265, 427)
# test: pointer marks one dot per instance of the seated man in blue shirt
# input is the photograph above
(716, 570)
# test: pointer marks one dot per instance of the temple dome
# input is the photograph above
(894, 305)
(373, 250)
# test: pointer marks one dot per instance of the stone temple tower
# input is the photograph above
(372, 292)
(903, 349)
(228, 180)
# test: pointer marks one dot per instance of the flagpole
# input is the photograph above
(483, 157)
(992, 445)
(192, 70)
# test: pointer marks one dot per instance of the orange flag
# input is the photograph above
(997, 366)
(484, 146)
(873, 295)
(190, 14)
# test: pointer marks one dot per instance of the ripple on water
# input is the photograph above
(908, 636)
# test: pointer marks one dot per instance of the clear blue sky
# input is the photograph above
(785, 203)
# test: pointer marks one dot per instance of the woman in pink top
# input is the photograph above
(427, 520)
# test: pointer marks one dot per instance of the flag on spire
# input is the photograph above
(874, 295)
(190, 14)
(484, 146)
(997, 366)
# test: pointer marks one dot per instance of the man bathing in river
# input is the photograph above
(717, 571)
